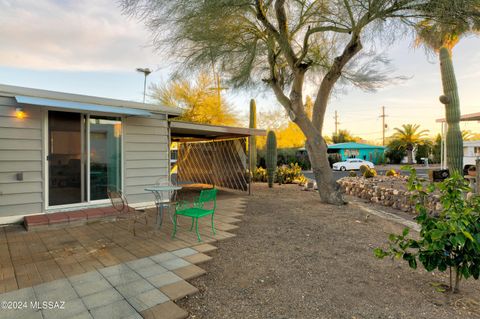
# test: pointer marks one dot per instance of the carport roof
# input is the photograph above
(464, 117)
(187, 131)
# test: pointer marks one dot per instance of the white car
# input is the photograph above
(351, 164)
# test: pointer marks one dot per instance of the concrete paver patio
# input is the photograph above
(92, 275)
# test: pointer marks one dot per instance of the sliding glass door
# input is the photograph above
(84, 158)
(65, 158)
(105, 156)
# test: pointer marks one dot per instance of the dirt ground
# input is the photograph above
(296, 258)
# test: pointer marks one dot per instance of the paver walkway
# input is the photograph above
(91, 275)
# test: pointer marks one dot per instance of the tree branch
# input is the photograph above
(311, 31)
(350, 13)
(353, 47)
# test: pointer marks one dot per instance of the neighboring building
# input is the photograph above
(372, 153)
(471, 152)
(61, 151)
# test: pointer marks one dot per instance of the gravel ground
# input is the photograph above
(296, 258)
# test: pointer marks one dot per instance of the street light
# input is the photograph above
(146, 72)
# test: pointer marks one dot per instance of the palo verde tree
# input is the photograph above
(284, 43)
(197, 98)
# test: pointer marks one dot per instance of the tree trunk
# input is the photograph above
(458, 278)
(410, 156)
(328, 188)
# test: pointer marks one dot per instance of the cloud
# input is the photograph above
(72, 35)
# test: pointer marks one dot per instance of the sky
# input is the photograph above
(89, 47)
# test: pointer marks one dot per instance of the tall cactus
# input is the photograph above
(271, 159)
(252, 141)
(450, 99)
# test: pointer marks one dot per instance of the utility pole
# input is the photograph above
(336, 122)
(384, 126)
(146, 72)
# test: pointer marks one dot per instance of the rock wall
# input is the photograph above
(386, 191)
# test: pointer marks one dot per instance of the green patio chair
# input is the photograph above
(203, 206)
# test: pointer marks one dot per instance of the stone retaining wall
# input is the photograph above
(386, 191)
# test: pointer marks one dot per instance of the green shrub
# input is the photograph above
(448, 241)
(301, 180)
(285, 156)
(352, 174)
(286, 174)
(369, 173)
(334, 158)
(391, 172)
(260, 175)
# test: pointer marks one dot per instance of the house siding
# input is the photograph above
(146, 155)
(21, 151)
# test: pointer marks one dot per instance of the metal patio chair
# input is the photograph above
(168, 198)
(120, 204)
(204, 205)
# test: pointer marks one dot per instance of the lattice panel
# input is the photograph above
(221, 163)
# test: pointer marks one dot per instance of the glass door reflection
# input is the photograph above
(105, 155)
(65, 158)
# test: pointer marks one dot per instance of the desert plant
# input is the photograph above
(352, 174)
(271, 158)
(301, 180)
(391, 172)
(252, 141)
(448, 241)
(369, 173)
(260, 175)
(363, 169)
(286, 174)
(454, 142)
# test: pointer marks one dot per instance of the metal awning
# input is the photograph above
(78, 106)
(187, 131)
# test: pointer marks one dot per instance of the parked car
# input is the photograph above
(351, 164)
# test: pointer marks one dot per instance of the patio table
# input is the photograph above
(159, 200)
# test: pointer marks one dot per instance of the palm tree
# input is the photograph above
(408, 137)
(441, 36)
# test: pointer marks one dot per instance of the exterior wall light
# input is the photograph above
(19, 113)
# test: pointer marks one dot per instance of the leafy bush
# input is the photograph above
(260, 175)
(391, 172)
(395, 152)
(352, 174)
(301, 180)
(286, 174)
(450, 240)
(334, 158)
(369, 173)
(285, 156)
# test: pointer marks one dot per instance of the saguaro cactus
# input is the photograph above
(454, 141)
(252, 141)
(271, 157)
